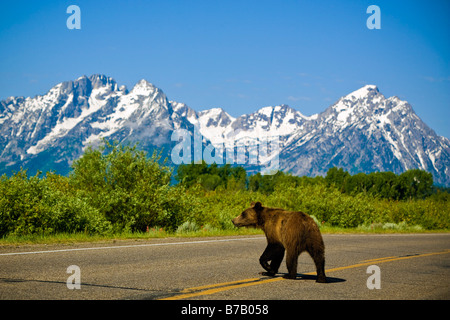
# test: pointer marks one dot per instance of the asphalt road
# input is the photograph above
(411, 266)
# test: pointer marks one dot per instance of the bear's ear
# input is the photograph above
(257, 205)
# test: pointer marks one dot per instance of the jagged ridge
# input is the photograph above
(362, 131)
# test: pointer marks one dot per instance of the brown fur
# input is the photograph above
(290, 231)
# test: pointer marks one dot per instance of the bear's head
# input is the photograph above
(250, 217)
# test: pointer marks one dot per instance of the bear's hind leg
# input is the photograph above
(318, 255)
(319, 260)
(320, 267)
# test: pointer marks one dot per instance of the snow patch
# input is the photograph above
(362, 92)
(67, 124)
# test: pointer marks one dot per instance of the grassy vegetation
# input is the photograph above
(118, 192)
(71, 238)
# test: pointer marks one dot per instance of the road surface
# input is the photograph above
(410, 266)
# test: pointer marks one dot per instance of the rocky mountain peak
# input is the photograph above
(368, 91)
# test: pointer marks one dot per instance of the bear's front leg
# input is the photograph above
(264, 261)
(274, 253)
(291, 263)
(277, 258)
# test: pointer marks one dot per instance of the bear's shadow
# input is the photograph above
(313, 277)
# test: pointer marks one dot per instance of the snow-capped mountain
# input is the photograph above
(50, 131)
(365, 131)
(362, 131)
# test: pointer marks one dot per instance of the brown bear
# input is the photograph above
(292, 231)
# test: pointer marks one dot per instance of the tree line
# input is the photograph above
(411, 184)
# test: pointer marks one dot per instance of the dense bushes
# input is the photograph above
(412, 184)
(115, 188)
(328, 205)
(34, 205)
(119, 188)
(332, 207)
(130, 190)
(339, 199)
(212, 177)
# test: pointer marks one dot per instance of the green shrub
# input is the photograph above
(34, 205)
(188, 226)
(131, 190)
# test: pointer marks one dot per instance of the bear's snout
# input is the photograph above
(236, 222)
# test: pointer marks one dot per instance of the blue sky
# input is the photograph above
(238, 55)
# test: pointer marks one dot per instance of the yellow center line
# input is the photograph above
(376, 259)
(188, 290)
(225, 286)
(388, 260)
